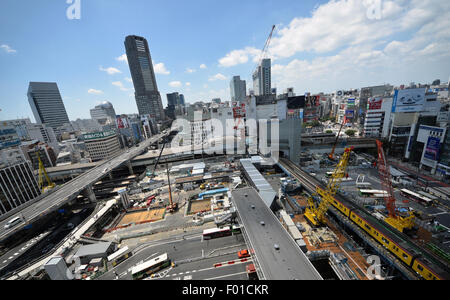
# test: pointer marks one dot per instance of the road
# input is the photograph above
(204, 254)
(71, 189)
(286, 263)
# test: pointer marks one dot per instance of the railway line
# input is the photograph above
(399, 244)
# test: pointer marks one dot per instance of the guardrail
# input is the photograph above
(48, 254)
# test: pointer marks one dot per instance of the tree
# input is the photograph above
(350, 132)
(329, 131)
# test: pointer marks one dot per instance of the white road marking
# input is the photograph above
(228, 275)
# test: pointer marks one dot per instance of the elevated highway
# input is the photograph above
(285, 261)
(61, 195)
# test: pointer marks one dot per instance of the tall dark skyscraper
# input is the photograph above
(148, 98)
(47, 105)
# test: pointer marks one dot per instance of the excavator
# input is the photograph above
(315, 214)
(394, 219)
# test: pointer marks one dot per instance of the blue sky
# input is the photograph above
(318, 46)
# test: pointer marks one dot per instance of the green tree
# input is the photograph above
(350, 132)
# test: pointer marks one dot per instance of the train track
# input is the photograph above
(311, 183)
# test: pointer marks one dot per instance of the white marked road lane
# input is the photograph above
(223, 276)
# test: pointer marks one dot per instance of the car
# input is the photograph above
(276, 247)
(13, 222)
(253, 207)
(262, 223)
(243, 253)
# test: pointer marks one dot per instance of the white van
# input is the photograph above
(13, 222)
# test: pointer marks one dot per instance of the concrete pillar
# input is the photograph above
(89, 193)
(130, 168)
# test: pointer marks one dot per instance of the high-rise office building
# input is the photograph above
(173, 99)
(262, 78)
(47, 105)
(238, 89)
(148, 98)
(182, 101)
(18, 185)
(104, 113)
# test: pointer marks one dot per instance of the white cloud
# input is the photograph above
(119, 84)
(128, 79)
(110, 70)
(188, 84)
(203, 66)
(123, 57)
(218, 76)
(188, 70)
(95, 92)
(8, 49)
(175, 84)
(344, 46)
(161, 69)
(237, 57)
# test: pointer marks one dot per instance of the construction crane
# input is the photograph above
(264, 50)
(42, 174)
(172, 206)
(157, 161)
(331, 155)
(398, 222)
(315, 214)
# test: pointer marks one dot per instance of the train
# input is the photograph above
(398, 247)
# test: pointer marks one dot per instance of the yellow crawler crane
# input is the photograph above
(42, 174)
(316, 213)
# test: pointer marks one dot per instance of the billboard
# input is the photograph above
(375, 103)
(349, 114)
(120, 123)
(433, 148)
(409, 100)
(351, 102)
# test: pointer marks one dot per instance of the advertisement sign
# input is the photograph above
(120, 123)
(349, 114)
(433, 148)
(375, 103)
(409, 100)
(351, 102)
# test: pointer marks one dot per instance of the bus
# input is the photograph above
(373, 193)
(149, 267)
(363, 185)
(426, 195)
(329, 174)
(236, 229)
(119, 256)
(216, 233)
(416, 197)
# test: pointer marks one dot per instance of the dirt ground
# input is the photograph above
(152, 215)
(200, 205)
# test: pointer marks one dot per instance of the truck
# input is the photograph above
(251, 272)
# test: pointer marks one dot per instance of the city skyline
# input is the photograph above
(90, 67)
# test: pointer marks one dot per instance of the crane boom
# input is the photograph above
(398, 222)
(331, 156)
(266, 46)
(42, 174)
(315, 214)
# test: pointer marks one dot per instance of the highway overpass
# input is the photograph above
(61, 195)
(287, 262)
